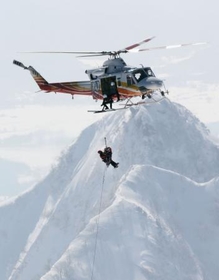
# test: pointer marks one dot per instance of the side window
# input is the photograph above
(95, 86)
(129, 80)
(119, 82)
(137, 76)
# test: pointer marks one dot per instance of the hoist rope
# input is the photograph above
(98, 221)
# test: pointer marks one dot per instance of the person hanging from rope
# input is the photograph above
(106, 157)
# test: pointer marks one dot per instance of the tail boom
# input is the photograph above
(79, 88)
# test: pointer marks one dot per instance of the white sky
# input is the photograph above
(35, 127)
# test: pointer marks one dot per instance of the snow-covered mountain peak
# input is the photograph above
(155, 217)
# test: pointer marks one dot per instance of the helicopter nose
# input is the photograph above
(153, 83)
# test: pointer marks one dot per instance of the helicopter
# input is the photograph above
(114, 81)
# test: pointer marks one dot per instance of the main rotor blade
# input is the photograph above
(115, 53)
(135, 45)
(99, 53)
(93, 55)
(171, 47)
(74, 52)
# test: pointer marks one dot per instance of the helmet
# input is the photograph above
(99, 152)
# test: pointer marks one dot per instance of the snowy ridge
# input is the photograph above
(158, 216)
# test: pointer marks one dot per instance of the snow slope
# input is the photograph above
(158, 211)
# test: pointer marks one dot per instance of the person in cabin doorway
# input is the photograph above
(106, 157)
(113, 89)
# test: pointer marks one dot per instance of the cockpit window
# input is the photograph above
(142, 73)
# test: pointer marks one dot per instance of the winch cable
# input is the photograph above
(98, 221)
(105, 142)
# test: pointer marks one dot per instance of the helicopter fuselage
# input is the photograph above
(113, 80)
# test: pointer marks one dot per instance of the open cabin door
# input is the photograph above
(109, 86)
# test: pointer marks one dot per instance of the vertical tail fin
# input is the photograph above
(37, 77)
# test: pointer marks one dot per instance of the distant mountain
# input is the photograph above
(155, 217)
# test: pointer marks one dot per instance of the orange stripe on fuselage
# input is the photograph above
(128, 92)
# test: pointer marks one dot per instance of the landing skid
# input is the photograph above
(107, 110)
(128, 104)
